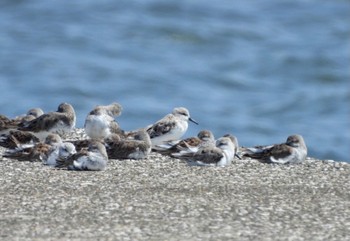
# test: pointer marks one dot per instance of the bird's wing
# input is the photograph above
(161, 127)
(67, 161)
(271, 153)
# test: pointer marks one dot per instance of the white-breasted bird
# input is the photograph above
(171, 127)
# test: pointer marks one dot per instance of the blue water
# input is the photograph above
(261, 70)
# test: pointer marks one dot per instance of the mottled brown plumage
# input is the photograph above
(63, 118)
(137, 148)
(35, 152)
(7, 124)
(39, 152)
(171, 127)
(16, 139)
(292, 151)
(80, 144)
(219, 155)
(190, 144)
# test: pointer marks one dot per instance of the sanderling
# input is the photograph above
(7, 124)
(292, 151)
(171, 127)
(100, 122)
(137, 148)
(188, 145)
(60, 122)
(219, 155)
(30, 115)
(61, 150)
(36, 112)
(235, 142)
(45, 152)
(16, 139)
(92, 159)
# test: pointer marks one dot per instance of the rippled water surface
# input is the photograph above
(261, 70)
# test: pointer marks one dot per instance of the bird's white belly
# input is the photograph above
(175, 134)
(97, 127)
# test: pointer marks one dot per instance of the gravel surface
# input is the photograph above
(165, 199)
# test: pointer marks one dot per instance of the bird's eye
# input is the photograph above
(222, 144)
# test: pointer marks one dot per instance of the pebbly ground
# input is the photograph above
(165, 199)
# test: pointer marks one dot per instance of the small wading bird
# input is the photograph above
(46, 152)
(100, 122)
(188, 145)
(94, 158)
(61, 122)
(136, 148)
(292, 151)
(220, 155)
(171, 127)
(7, 124)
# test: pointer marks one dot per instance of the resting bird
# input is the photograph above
(220, 155)
(188, 145)
(100, 122)
(46, 152)
(7, 124)
(92, 159)
(137, 148)
(292, 151)
(61, 122)
(16, 139)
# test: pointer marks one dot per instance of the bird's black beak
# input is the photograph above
(190, 119)
(236, 155)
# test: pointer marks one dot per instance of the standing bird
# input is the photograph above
(294, 150)
(94, 158)
(100, 122)
(61, 122)
(171, 127)
(137, 148)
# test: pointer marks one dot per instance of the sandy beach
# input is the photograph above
(161, 198)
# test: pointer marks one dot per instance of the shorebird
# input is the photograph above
(190, 144)
(219, 155)
(294, 150)
(16, 139)
(47, 152)
(36, 112)
(30, 115)
(61, 150)
(100, 122)
(7, 124)
(60, 122)
(171, 127)
(235, 142)
(137, 148)
(92, 159)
